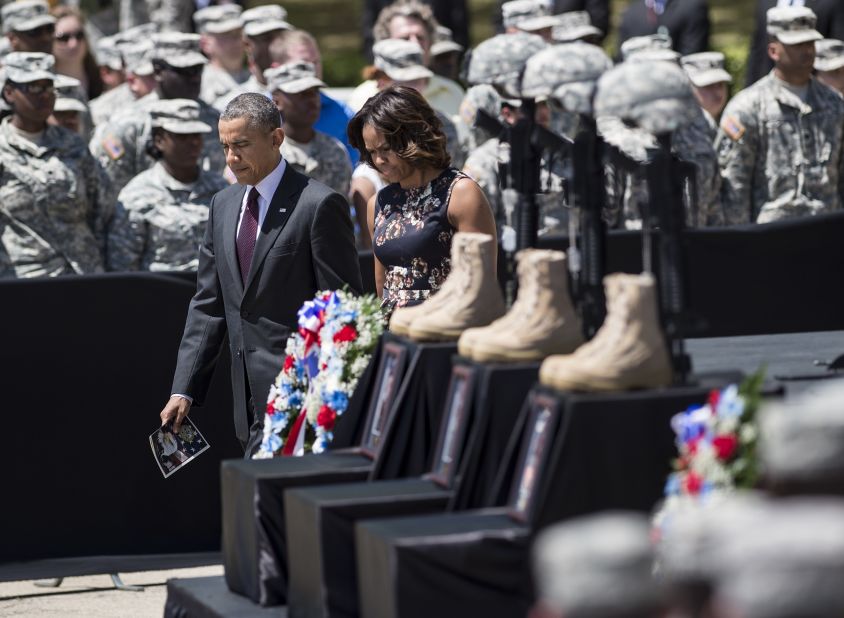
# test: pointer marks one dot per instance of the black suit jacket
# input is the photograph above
(830, 24)
(306, 244)
(687, 22)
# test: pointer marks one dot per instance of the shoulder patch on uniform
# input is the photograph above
(113, 147)
(732, 127)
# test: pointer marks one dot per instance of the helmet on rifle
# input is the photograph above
(654, 96)
(566, 73)
(499, 61)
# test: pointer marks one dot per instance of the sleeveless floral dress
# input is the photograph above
(412, 239)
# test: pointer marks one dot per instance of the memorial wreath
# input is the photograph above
(322, 365)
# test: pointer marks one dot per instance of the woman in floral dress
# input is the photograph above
(413, 219)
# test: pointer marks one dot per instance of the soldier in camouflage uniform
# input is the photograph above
(780, 141)
(70, 110)
(135, 49)
(627, 194)
(28, 26)
(398, 61)
(829, 63)
(481, 97)
(261, 25)
(711, 84)
(161, 214)
(295, 90)
(167, 15)
(222, 41)
(55, 199)
(121, 145)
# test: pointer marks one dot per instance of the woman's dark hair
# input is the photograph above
(89, 63)
(151, 149)
(409, 125)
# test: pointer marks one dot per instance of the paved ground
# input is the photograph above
(94, 596)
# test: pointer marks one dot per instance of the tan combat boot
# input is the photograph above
(403, 316)
(476, 301)
(541, 322)
(627, 352)
(470, 336)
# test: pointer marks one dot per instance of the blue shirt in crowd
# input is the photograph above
(333, 119)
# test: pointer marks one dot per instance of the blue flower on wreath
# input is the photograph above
(672, 486)
(295, 399)
(338, 400)
(272, 443)
(278, 422)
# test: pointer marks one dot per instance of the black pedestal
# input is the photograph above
(397, 445)
(320, 537)
(570, 454)
(482, 402)
(254, 551)
(208, 597)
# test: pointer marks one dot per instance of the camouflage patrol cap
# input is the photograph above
(540, 22)
(655, 55)
(293, 77)
(137, 58)
(263, 19)
(108, 54)
(802, 439)
(401, 60)
(705, 68)
(650, 42)
(655, 96)
(26, 15)
(218, 19)
(517, 11)
(598, 565)
(788, 562)
(482, 96)
(573, 26)
(829, 55)
(177, 116)
(69, 95)
(135, 34)
(499, 61)
(25, 67)
(568, 73)
(444, 42)
(178, 49)
(792, 25)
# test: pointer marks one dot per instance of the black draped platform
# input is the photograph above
(571, 454)
(479, 414)
(397, 441)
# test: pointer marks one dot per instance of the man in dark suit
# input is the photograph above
(272, 241)
(830, 24)
(687, 21)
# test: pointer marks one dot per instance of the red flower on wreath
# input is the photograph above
(713, 399)
(270, 408)
(693, 483)
(326, 418)
(347, 333)
(725, 446)
(288, 363)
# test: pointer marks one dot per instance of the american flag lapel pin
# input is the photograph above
(282, 210)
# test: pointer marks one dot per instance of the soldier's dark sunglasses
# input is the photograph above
(33, 88)
(37, 33)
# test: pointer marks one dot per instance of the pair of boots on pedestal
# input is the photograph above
(628, 351)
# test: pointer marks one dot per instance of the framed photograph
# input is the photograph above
(453, 428)
(172, 451)
(390, 373)
(542, 422)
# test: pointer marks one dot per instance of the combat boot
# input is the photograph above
(403, 316)
(470, 336)
(627, 352)
(541, 322)
(475, 301)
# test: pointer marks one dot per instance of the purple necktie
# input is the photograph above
(246, 236)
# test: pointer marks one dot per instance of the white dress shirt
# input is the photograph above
(266, 189)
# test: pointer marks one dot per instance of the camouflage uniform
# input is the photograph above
(217, 83)
(168, 15)
(480, 97)
(55, 204)
(104, 106)
(250, 85)
(159, 221)
(482, 166)
(781, 157)
(122, 146)
(324, 159)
